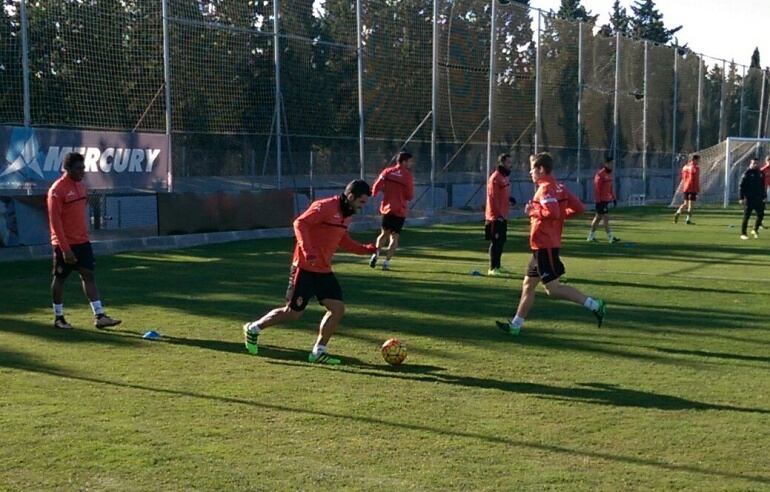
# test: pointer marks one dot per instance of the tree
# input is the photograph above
(11, 110)
(647, 23)
(573, 10)
(755, 59)
(619, 21)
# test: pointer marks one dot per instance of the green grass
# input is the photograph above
(673, 393)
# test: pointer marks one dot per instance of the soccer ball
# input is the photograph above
(393, 351)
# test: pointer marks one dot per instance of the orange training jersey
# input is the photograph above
(691, 178)
(498, 191)
(320, 230)
(67, 200)
(397, 186)
(766, 173)
(603, 186)
(550, 207)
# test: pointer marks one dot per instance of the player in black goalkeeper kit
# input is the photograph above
(753, 198)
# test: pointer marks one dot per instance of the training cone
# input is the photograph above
(151, 335)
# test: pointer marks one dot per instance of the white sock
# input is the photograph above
(591, 304)
(517, 321)
(96, 307)
(319, 349)
(58, 309)
(254, 328)
(610, 236)
(591, 235)
(386, 262)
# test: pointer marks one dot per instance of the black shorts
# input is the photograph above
(546, 264)
(84, 255)
(303, 285)
(393, 223)
(496, 230)
(688, 195)
(602, 208)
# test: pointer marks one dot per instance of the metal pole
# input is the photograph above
(537, 85)
(25, 62)
(433, 107)
(579, 97)
(277, 62)
(674, 116)
(700, 100)
(360, 57)
(761, 107)
(615, 113)
(767, 113)
(492, 83)
(644, 123)
(740, 113)
(726, 197)
(722, 105)
(167, 84)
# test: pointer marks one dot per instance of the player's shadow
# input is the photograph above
(717, 355)
(50, 334)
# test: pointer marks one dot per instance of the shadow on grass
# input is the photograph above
(50, 334)
(589, 391)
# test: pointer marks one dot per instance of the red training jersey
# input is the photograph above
(691, 178)
(320, 230)
(67, 200)
(397, 186)
(498, 191)
(766, 173)
(550, 207)
(603, 186)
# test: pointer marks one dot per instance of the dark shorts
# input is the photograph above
(690, 196)
(84, 255)
(602, 208)
(546, 264)
(393, 223)
(303, 285)
(496, 230)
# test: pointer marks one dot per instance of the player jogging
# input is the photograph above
(549, 208)
(690, 187)
(320, 231)
(603, 195)
(397, 186)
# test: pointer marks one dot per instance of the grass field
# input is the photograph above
(673, 393)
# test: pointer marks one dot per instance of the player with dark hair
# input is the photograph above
(753, 197)
(320, 231)
(67, 201)
(549, 208)
(397, 186)
(499, 200)
(690, 187)
(603, 195)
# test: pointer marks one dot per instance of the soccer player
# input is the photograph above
(766, 174)
(753, 198)
(67, 200)
(603, 195)
(498, 201)
(320, 231)
(397, 186)
(690, 188)
(549, 208)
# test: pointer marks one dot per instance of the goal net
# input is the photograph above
(721, 168)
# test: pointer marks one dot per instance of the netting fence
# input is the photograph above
(309, 94)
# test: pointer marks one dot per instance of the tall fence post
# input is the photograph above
(492, 84)
(615, 111)
(537, 84)
(674, 110)
(433, 107)
(700, 99)
(740, 113)
(167, 92)
(25, 63)
(277, 62)
(761, 106)
(360, 57)
(722, 95)
(644, 122)
(579, 105)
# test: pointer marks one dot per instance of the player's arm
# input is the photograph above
(378, 184)
(302, 224)
(574, 205)
(546, 206)
(409, 194)
(350, 245)
(597, 187)
(55, 208)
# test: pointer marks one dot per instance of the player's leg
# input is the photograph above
(760, 218)
(594, 224)
(61, 271)
(330, 297)
(526, 301)
(381, 240)
(551, 268)
(612, 238)
(745, 221)
(690, 208)
(392, 247)
(86, 266)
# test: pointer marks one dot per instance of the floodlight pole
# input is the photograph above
(722, 94)
(674, 118)
(167, 88)
(277, 62)
(740, 113)
(700, 99)
(433, 107)
(537, 84)
(360, 57)
(615, 111)
(492, 82)
(25, 62)
(761, 106)
(644, 122)
(579, 97)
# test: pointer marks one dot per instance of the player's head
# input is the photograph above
(609, 162)
(75, 166)
(753, 163)
(695, 158)
(504, 160)
(767, 159)
(405, 159)
(357, 192)
(541, 165)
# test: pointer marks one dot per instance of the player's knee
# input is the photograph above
(86, 275)
(337, 308)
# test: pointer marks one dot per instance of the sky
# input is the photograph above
(726, 29)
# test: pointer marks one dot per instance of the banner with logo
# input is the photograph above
(32, 158)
